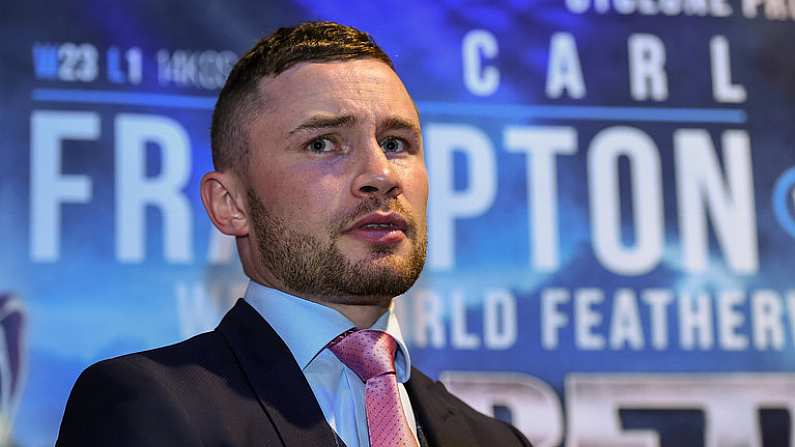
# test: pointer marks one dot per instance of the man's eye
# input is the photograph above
(393, 145)
(320, 145)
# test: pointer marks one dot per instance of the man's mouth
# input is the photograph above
(380, 228)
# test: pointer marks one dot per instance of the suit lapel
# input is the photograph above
(441, 424)
(276, 378)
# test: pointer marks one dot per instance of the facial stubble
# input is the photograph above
(307, 266)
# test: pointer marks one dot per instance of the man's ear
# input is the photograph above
(223, 199)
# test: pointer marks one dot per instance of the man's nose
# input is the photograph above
(376, 175)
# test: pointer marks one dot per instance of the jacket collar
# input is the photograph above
(306, 327)
(275, 378)
(436, 417)
(279, 384)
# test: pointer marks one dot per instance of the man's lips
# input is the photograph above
(379, 228)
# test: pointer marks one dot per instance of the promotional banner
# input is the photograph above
(611, 217)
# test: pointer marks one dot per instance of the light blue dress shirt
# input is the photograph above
(307, 327)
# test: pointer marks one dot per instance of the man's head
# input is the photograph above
(270, 57)
(319, 167)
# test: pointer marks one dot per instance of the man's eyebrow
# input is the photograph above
(324, 122)
(397, 123)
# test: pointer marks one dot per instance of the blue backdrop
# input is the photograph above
(612, 216)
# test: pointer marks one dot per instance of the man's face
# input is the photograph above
(337, 183)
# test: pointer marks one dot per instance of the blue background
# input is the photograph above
(87, 305)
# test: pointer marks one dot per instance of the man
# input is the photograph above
(320, 177)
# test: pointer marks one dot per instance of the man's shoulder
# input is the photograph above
(160, 373)
(201, 350)
(134, 390)
(191, 372)
(484, 428)
(164, 396)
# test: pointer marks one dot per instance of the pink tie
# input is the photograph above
(371, 355)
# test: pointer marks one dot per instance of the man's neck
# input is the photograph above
(362, 315)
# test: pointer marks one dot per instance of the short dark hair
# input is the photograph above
(272, 55)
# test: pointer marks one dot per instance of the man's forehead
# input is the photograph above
(337, 88)
(334, 68)
(351, 76)
(330, 121)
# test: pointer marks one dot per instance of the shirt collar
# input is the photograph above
(306, 327)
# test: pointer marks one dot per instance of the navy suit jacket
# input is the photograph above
(239, 386)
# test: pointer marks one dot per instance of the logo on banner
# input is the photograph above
(13, 319)
(784, 201)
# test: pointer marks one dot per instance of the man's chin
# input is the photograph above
(384, 270)
(388, 262)
(357, 250)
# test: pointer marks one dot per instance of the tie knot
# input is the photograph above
(369, 353)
